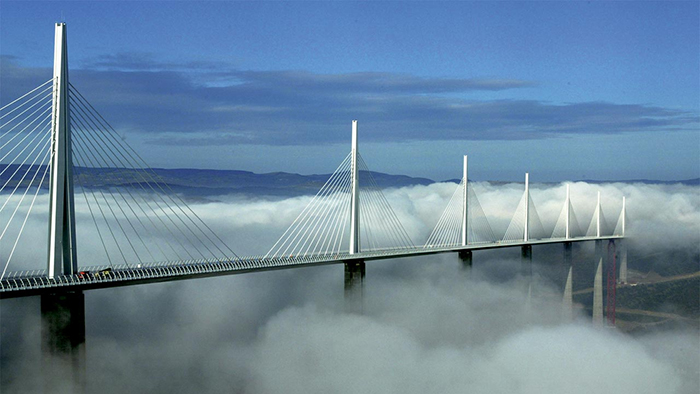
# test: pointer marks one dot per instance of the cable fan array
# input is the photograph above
(516, 228)
(574, 227)
(448, 230)
(593, 226)
(25, 152)
(137, 217)
(322, 228)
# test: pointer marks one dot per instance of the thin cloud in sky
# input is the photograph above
(208, 104)
(569, 90)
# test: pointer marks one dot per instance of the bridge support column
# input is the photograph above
(599, 249)
(354, 286)
(526, 259)
(611, 283)
(623, 261)
(568, 254)
(568, 299)
(63, 341)
(465, 256)
(598, 294)
(526, 269)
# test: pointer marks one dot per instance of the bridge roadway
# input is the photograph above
(27, 283)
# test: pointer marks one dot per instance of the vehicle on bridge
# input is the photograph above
(97, 274)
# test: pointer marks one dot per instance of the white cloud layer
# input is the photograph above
(425, 329)
(658, 216)
(318, 352)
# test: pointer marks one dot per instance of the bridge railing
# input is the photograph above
(96, 275)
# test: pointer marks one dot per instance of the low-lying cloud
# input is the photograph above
(356, 354)
(659, 217)
(425, 327)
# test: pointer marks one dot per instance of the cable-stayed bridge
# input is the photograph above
(64, 168)
(52, 140)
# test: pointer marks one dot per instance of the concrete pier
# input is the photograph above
(568, 254)
(599, 251)
(465, 256)
(354, 286)
(568, 300)
(623, 261)
(526, 253)
(63, 341)
(598, 295)
(526, 260)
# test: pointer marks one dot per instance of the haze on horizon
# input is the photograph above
(570, 90)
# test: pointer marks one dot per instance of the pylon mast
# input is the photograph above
(526, 230)
(355, 196)
(597, 220)
(62, 258)
(567, 206)
(465, 205)
(623, 215)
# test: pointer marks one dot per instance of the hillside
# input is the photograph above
(195, 182)
(198, 182)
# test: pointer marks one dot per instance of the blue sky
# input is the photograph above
(564, 90)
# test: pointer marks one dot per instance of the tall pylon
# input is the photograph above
(465, 255)
(526, 230)
(597, 217)
(62, 259)
(623, 214)
(354, 269)
(568, 212)
(355, 196)
(465, 205)
(526, 250)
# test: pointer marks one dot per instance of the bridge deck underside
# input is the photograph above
(20, 284)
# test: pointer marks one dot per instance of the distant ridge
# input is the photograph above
(209, 182)
(688, 182)
(196, 182)
(200, 183)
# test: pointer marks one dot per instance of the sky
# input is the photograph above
(563, 90)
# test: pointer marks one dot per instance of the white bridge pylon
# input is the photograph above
(62, 244)
(349, 215)
(54, 139)
(464, 223)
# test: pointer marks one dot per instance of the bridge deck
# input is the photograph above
(21, 284)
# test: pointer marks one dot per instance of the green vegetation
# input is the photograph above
(681, 297)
